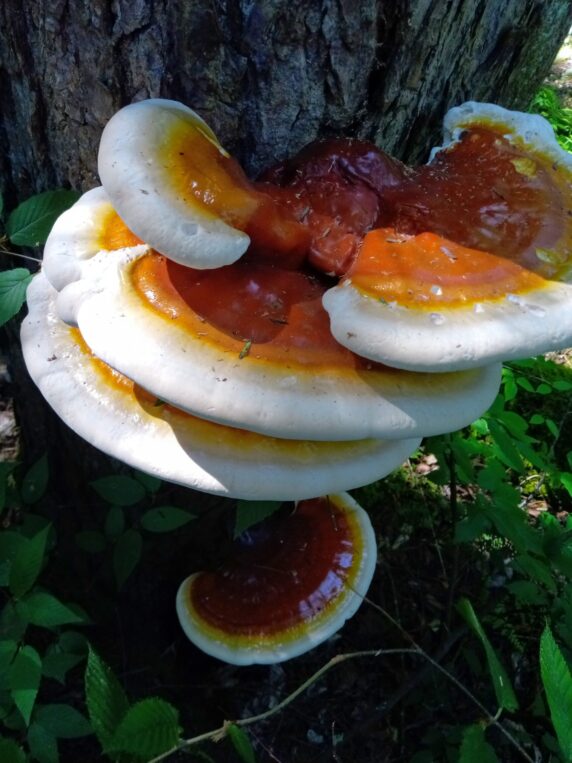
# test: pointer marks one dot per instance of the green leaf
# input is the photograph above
(566, 481)
(163, 519)
(126, 555)
(31, 222)
(35, 481)
(241, 743)
(27, 563)
(502, 686)
(44, 610)
(505, 447)
(249, 513)
(8, 650)
(536, 569)
(56, 664)
(119, 490)
(149, 728)
(92, 541)
(13, 285)
(43, 745)
(10, 752)
(62, 721)
(25, 676)
(149, 482)
(557, 682)
(114, 522)
(106, 700)
(475, 748)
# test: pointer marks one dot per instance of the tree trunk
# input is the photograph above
(268, 75)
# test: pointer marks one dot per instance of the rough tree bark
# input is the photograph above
(268, 75)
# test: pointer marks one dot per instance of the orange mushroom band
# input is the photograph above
(128, 423)
(474, 262)
(249, 346)
(291, 582)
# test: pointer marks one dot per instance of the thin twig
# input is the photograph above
(18, 254)
(216, 735)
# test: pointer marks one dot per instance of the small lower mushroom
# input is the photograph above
(292, 581)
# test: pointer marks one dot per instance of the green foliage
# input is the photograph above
(557, 681)
(241, 743)
(13, 285)
(30, 223)
(249, 513)
(475, 748)
(547, 103)
(503, 689)
(106, 700)
(165, 519)
(144, 729)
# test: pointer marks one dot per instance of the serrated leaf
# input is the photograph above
(126, 555)
(24, 679)
(501, 683)
(92, 541)
(241, 743)
(27, 563)
(557, 682)
(43, 746)
(475, 748)
(31, 222)
(249, 513)
(10, 752)
(114, 522)
(13, 285)
(150, 727)
(163, 519)
(62, 721)
(35, 481)
(119, 490)
(44, 610)
(106, 700)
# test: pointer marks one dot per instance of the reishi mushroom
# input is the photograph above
(290, 583)
(127, 422)
(180, 322)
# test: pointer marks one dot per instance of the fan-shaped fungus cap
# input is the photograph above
(177, 188)
(292, 582)
(476, 265)
(126, 422)
(250, 346)
(88, 227)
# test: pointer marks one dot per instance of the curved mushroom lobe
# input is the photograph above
(285, 574)
(483, 192)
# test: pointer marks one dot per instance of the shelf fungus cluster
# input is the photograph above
(295, 336)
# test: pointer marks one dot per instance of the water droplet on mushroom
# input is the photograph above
(436, 318)
(479, 308)
(515, 299)
(448, 253)
(436, 290)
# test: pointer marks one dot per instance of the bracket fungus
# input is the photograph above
(295, 336)
(289, 584)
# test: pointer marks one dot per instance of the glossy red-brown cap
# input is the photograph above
(291, 582)
(477, 266)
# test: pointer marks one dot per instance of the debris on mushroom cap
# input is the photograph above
(291, 583)
(250, 346)
(177, 188)
(130, 424)
(476, 265)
